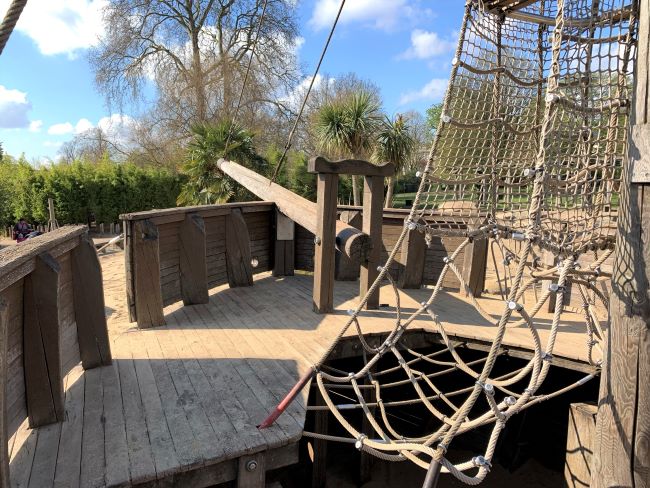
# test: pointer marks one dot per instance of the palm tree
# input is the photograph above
(206, 184)
(395, 144)
(348, 127)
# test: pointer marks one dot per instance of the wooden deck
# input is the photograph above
(180, 403)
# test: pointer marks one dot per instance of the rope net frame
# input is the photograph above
(530, 149)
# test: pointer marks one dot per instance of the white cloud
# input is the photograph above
(432, 91)
(35, 125)
(13, 109)
(425, 45)
(381, 14)
(117, 127)
(82, 126)
(60, 26)
(60, 129)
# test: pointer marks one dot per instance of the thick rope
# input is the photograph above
(10, 20)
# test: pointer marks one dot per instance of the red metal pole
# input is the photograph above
(287, 400)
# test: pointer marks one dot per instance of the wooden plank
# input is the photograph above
(4, 437)
(412, 260)
(148, 294)
(204, 210)
(117, 468)
(474, 265)
(373, 198)
(320, 164)
(327, 191)
(283, 256)
(251, 472)
(579, 445)
(90, 317)
(43, 380)
(92, 444)
(238, 251)
(129, 269)
(193, 268)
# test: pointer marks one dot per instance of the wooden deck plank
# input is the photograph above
(93, 462)
(118, 469)
(21, 457)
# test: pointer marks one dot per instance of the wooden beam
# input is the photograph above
(323, 292)
(414, 250)
(238, 250)
(252, 471)
(319, 164)
(146, 261)
(579, 445)
(129, 267)
(42, 360)
(348, 239)
(193, 266)
(90, 315)
(284, 255)
(622, 444)
(4, 435)
(373, 216)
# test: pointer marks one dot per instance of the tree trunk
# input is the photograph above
(197, 78)
(389, 192)
(355, 191)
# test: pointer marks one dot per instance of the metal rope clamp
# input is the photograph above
(358, 444)
(481, 462)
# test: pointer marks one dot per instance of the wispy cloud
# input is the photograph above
(427, 45)
(433, 91)
(380, 14)
(35, 125)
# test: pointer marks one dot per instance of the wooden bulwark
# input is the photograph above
(146, 259)
(238, 250)
(193, 267)
(4, 436)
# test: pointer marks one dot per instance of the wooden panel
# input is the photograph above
(579, 445)
(69, 344)
(412, 260)
(284, 252)
(148, 293)
(474, 265)
(4, 433)
(323, 293)
(89, 308)
(43, 380)
(238, 252)
(252, 471)
(16, 402)
(193, 268)
(373, 203)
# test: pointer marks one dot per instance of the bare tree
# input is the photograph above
(196, 53)
(92, 145)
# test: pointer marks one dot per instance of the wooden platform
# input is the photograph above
(180, 404)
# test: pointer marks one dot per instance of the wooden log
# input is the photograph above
(251, 472)
(146, 268)
(284, 255)
(474, 265)
(348, 239)
(43, 381)
(4, 434)
(323, 293)
(193, 267)
(579, 445)
(622, 443)
(347, 267)
(373, 215)
(414, 250)
(238, 250)
(90, 316)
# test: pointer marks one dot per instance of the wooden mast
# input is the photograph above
(622, 443)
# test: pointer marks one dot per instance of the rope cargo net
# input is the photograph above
(529, 151)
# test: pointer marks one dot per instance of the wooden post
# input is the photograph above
(283, 264)
(414, 250)
(90, 316)
(4, 436)
(323, 292)
(129, 267)
(251, 472)
(347, 267)
(238, 250)
(474, 264)
(579, 445)
(146, 267)
(193, 266)
(319, 446)
(43, 381)
(622, 444)
(373, 215)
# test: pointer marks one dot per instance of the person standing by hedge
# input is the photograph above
(21, 230)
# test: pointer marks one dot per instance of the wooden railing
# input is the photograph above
(180, 253)
(51, 317)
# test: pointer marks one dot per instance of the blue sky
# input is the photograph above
(47, 92)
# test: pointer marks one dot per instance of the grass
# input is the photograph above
(399, 199)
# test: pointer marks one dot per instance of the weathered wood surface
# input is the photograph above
(177, 214)
(412, 258)
(622, 445)
(474, 265)
(284, 252)
(43, 381)
(90, 318)
(373, 205)
(193, 267)
(238, 250)
(327, 191)
(4, 429)
(579, 445)
(146, 268)
(320, 164)
(299, 209)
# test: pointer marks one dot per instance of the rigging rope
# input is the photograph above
(10, 20)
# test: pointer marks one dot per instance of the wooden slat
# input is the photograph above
(148, 295)
(373, 202)
(44, 384)
(238, 251)
(193, 268)
(4, 437)
(68, 461)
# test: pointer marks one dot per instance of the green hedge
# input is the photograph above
(82, 191)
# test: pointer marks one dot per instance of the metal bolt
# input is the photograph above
(251, 465)
(317, 241)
